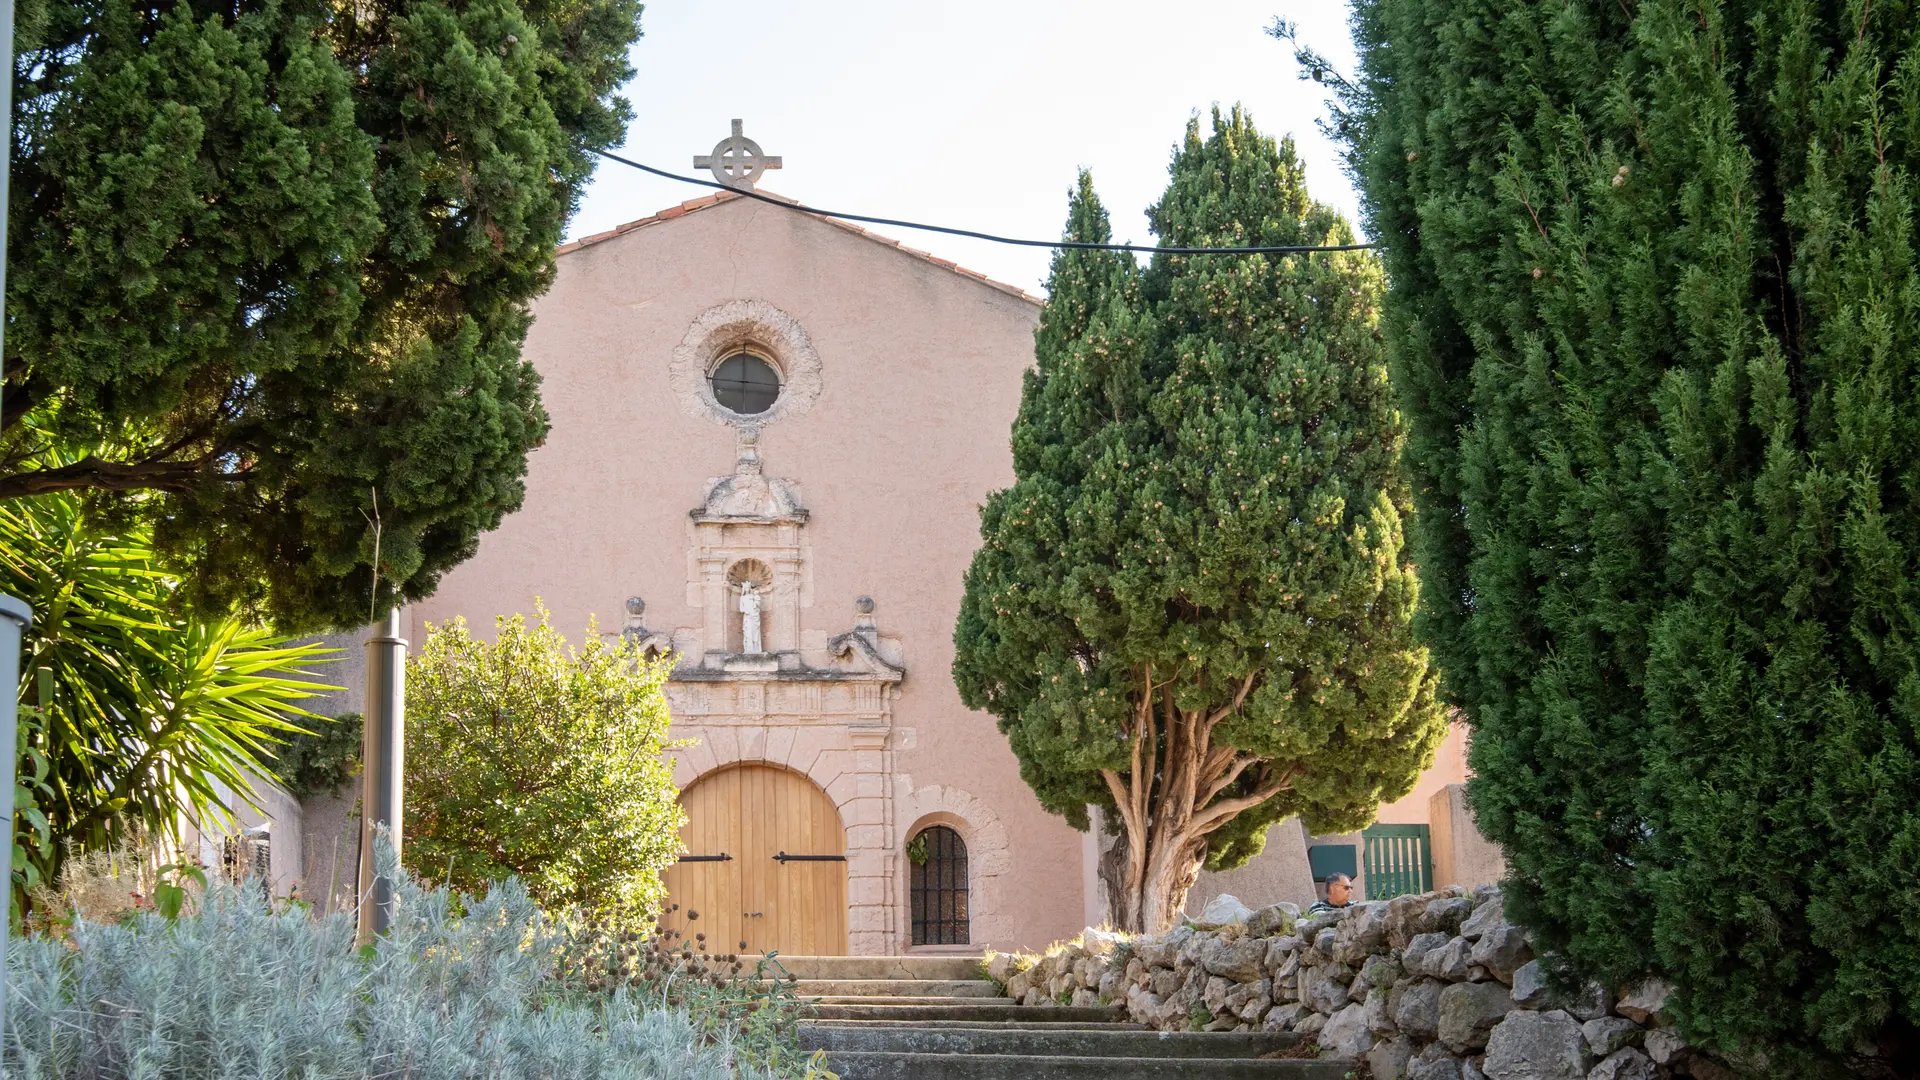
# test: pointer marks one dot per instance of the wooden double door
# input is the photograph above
(764, 864)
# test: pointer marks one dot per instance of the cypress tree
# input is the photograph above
(1192, 608)
(270, 267)
(1656, 312)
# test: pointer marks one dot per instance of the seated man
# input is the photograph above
(1339, 895)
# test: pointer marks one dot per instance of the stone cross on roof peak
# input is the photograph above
(737, 161)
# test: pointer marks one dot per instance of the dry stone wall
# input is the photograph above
(1436, 986)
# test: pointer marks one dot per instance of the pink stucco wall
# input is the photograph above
(1449, 767)
(920, 380)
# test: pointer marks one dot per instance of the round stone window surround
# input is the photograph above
(752, 326)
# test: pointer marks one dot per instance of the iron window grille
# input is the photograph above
(939, 889)
(745, 384)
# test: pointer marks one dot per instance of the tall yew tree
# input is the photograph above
(1656, 309)
(270, 262)
(1192, 609)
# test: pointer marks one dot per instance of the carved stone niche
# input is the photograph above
(749, 528)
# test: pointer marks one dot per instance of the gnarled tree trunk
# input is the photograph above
(1173, 795)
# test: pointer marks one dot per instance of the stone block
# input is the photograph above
(1242, 960)
(1444, 915)
(1323, 989)
(1165, 981)
(1433, 1062)
(1502, 950)
(1215, 995)
(1381, 971)
(1283, 956)
(1282, 1017)
(866, 890)
(1663, 1045)
(866, 836)
(1346, 1033)
(1402, 911)
(1530, 985)
(1605, 1034)
(1537, 1046)
(1379, 1012)
(1389, 1057)
(1018, 984)
(1414, 956)
(753, 744)
(1416, 1008)
(1273, 919)
(872, 917)
(1627, 1063)
(779, 747)
(1486, 915)
(1468, 1011)
(1645, 1001)
(1450, 961)
(1250, 1001)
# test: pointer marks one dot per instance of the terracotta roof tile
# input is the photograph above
(719, 197)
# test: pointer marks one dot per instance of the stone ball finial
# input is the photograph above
(863, 606)
(636, 607)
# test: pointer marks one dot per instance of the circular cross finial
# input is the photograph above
(737, 161)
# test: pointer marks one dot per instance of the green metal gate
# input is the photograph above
(1398, 860)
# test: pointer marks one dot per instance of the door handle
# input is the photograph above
(722, 857)
(749, 914)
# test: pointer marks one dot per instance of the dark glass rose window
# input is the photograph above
(745, 384)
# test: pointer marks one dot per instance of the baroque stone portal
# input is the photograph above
(766, 689)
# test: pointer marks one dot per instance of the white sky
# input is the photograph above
(973, 114)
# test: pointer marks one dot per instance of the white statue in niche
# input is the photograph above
(750, 619)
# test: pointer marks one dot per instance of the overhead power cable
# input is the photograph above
(1077, 245)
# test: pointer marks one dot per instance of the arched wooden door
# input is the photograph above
(765, 863)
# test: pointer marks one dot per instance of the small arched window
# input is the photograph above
(939, 886)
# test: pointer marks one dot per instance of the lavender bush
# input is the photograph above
(460, 988)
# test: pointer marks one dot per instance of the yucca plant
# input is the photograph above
(138, 716)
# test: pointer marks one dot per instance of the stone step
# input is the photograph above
(884, 967)
(904, 999)
(984, 1011)
(864, 1065)
(973, 1025)
(1073, 1042)
(948, 988)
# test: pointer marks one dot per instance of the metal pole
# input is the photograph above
(383, 749)
(15, 617)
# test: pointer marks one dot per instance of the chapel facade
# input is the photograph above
(771, 434)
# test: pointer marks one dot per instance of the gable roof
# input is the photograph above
(695, 205)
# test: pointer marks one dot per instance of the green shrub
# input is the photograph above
(322, 759)
(462, 988)
(529, 758)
